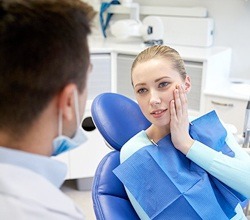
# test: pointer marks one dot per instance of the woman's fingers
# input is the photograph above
(183, 98)
(179, 123)
(178, 104)
(172, 110)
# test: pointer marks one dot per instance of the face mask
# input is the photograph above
(63, 143)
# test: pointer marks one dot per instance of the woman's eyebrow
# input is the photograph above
(140, 84)
(157, 80)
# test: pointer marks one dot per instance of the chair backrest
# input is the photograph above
(117, 118)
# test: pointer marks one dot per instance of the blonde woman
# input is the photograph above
(199, 159)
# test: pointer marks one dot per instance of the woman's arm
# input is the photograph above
(233, 171)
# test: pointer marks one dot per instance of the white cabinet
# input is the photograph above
(228, 109)
(195, 71)
(124, 86)
(100, 78)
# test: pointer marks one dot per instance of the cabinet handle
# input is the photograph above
(223, 104)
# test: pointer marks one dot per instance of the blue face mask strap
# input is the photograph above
(104, 7)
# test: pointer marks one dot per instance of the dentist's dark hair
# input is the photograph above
(43, 47)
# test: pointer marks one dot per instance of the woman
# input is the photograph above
(161, 85)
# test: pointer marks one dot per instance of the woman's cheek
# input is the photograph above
(169, 96)
(143, 106)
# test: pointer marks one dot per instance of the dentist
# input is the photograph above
(44, 67)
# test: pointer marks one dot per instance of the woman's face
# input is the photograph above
(154, 82)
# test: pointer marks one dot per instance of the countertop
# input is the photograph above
(134, 46)
(229, 88)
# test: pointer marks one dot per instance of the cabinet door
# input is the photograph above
(231, 111)
(194, 70)
(100, 78)
(124, 86)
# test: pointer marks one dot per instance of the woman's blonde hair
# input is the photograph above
(159, 52)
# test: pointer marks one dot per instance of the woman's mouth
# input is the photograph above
(158, 113)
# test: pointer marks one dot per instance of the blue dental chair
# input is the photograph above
(117, 118)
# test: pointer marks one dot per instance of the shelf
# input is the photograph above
(200, 12)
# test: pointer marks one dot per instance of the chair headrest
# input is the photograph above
(117, 118)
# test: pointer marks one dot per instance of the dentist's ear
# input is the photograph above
(66, 101)
(187, 84)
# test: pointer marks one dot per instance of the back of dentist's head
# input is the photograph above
(43, 47)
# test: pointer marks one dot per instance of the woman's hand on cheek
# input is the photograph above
(179, 124)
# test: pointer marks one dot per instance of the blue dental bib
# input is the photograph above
(168, 185)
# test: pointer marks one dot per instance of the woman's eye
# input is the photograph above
(140, 91)
(163, 84)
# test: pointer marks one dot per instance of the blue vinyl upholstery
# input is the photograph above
(117, 118)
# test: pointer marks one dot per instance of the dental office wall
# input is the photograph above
(232, 28)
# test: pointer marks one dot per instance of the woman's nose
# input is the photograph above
(154, 98)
